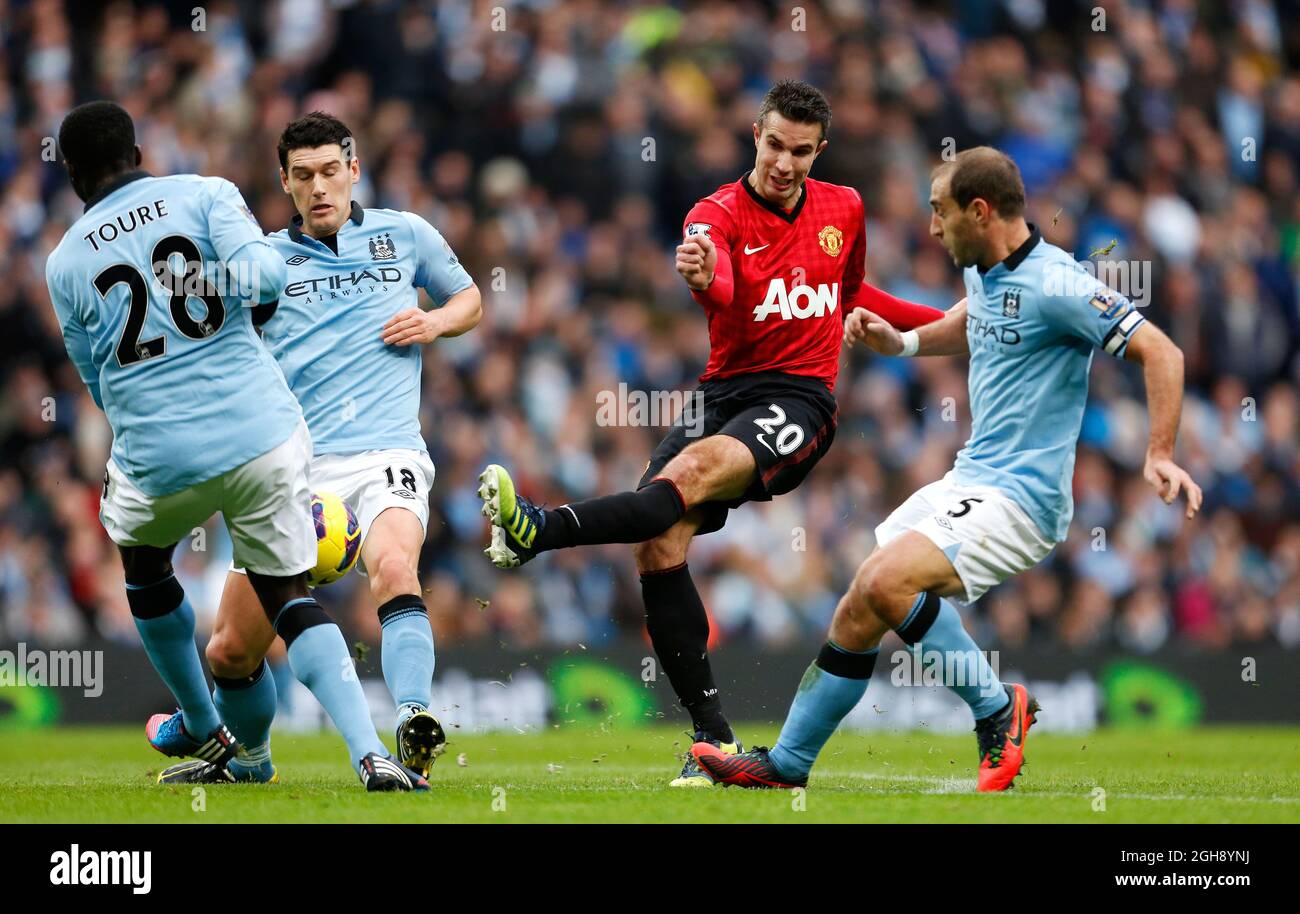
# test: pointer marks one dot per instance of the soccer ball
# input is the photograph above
(338, 538)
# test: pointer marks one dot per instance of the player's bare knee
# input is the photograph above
(643, 553)
(874, 587)
(853, 613)
(392, 575)
(229, 659)
(660, 553)
(687, 471)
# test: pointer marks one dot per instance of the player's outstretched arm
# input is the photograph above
(946, 336)
(458, 314)
(903, 314)
(1162, 369)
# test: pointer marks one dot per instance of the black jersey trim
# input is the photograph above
(772, 207)
(116, 184)
(1017, 257)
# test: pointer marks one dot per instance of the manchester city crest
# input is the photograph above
(381, 247)
(1011, 303)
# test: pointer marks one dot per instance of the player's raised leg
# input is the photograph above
(165, 620)
(657, 517)
(391, 554)
(716, 468)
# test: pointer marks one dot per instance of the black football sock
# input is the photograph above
(628, 517)
(679, 631)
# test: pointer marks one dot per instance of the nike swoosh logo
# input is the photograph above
(749, 250)
(766, 445)
(1017, 718)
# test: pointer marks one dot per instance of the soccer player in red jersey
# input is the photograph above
(776, 259)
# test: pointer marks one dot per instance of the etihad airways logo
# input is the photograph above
(799, 303)
(344, 283)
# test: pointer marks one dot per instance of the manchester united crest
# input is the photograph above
(831, 240)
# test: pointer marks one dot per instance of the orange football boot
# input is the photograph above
(744, 769)
(1001, 740)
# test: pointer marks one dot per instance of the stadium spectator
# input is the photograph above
(558, 150)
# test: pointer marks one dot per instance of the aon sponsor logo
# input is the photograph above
(800, 302)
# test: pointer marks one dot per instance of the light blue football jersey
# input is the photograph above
(357, 393)
(150, 286)
(1032, 322)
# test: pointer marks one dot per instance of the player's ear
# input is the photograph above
(72, 179)
(820, 146)
(355, 167)
(757, 133)
(284, 181)
(139, 156)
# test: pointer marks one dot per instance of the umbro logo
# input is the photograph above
(297, 259)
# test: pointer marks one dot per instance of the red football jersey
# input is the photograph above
(785, 280)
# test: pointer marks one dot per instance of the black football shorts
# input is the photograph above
(787, 422)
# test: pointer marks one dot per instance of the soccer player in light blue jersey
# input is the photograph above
(154, 288)
(1031, 320)
(347, 334)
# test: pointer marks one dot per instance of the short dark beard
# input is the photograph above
(960, 262)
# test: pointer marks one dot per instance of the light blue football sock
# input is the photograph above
(319, 657)
(832, 687)
(284, 680)
(406, 652)
(165, 620)
(933, 627)
(247, 705)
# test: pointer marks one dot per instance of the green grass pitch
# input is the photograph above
(621, 775)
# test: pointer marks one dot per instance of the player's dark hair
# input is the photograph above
(97, 140)
(798, 101)
(989, 174)
(312, 130)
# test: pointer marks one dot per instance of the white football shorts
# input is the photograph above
(987, 536)
(370, 483)
(266, 504)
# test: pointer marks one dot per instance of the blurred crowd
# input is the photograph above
(557, 146)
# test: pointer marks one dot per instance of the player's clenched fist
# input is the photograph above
(697, 258)
(862, 326)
